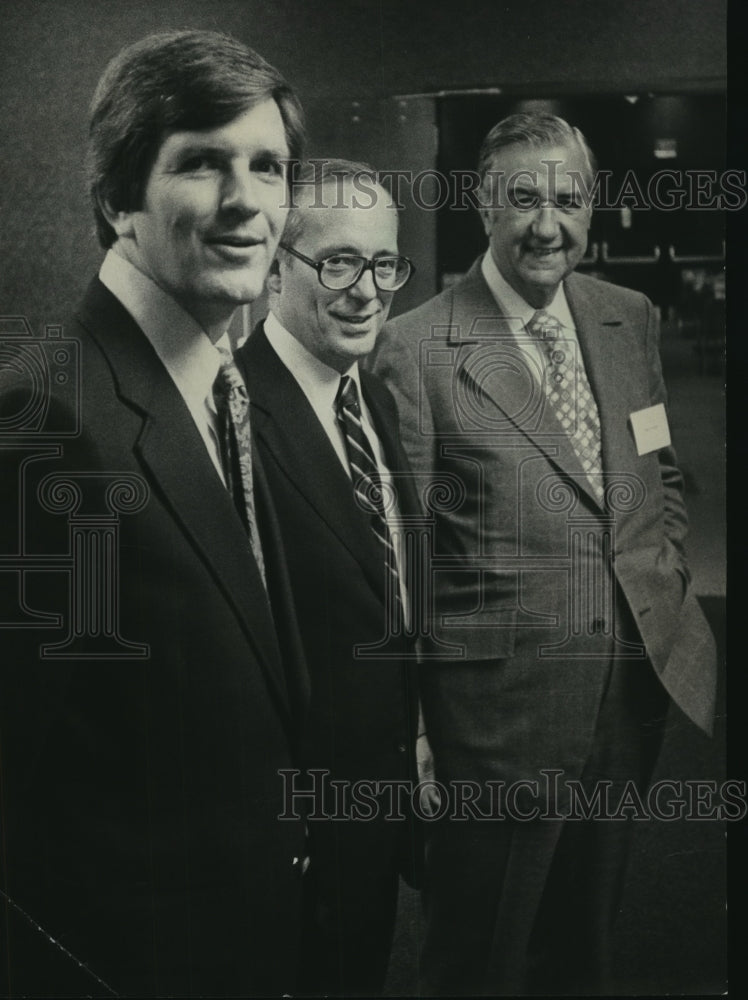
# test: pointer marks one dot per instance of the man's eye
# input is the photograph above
(386, 265)
(269, 165)
(339, 262)
(523, 199)
(567, 202)
(197, 164)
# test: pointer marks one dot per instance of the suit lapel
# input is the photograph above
(609, 344)
(384, 414)
(285, 422)
(170, 447)
(490, 365)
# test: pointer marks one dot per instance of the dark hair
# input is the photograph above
(532, 129)
(314, 174)
(172, 81)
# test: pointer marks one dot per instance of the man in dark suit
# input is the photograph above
(327, 434)
(143, 735)
(563, 616)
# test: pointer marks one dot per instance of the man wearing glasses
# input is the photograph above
(327, 436)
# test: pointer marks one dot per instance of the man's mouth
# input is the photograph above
(544, 251)
(355, 320)
(235, 249)
(234, 240)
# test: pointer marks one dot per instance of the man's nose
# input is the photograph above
(240, 190)
(365, 288)
(545, 223)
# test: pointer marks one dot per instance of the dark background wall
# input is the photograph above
(373, 75)
(344, 56)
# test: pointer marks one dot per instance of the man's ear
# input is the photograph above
(273, 280)
(487, 205)
(121, 222)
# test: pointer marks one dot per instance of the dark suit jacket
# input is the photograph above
(524, 540)
(140, 785)
(362, 716)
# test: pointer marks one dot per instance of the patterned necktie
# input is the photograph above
(367, 483)
(232, 402)
(569, 393)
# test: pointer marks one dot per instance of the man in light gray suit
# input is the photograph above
(561, 620)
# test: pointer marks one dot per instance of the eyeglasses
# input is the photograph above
(343, 270)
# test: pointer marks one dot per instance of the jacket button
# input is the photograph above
(300, 866)
(401, 748)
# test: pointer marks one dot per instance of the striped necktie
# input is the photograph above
(367, 481)
(568, 391)
(232, 403)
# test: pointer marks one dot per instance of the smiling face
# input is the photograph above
(539, 234)
(211, 216)
(337, 327)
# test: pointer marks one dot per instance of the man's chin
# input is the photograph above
(349, 350)
(552, 268)
(548, 275)
(544, 278)
(239, 291)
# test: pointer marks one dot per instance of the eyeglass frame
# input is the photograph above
(369, 264)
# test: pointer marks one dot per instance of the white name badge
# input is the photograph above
(651, 431)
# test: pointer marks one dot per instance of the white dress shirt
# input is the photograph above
(184, 348)
(320, 383)
(519, 313)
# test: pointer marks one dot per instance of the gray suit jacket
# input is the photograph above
(530, 582)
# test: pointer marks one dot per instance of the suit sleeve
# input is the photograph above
(396, 360)
(675, 516)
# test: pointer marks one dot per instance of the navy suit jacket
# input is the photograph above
(140, 761)
(363, 705)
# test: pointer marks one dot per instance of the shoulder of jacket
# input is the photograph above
(586, 285)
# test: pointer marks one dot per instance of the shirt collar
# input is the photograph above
(518, 312)
(318, 381)
(180, 342)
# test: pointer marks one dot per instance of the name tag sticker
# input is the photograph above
(651, 431)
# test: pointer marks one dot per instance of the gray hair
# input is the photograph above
(536, 129)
